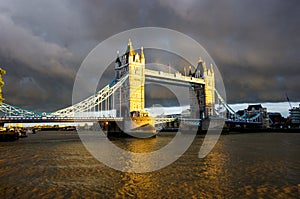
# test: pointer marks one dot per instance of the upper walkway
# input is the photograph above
(178, 77)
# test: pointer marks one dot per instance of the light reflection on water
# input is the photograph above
(242, 165)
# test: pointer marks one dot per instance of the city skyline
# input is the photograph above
(254, 44)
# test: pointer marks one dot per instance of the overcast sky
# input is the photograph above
(255, 43)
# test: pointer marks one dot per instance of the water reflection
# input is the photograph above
(137, 145)
(136, 185)
(243, 165)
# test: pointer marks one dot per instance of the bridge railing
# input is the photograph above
(10, 110)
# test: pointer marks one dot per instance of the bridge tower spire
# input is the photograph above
(130, 49)
(142, 55)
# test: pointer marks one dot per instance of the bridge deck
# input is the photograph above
(57, 119)
(70, 119)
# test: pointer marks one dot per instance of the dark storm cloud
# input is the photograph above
(254, 43)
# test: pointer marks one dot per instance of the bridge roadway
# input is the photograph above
(57, 119)
(242, 122)
(158, 121)
(71, 119)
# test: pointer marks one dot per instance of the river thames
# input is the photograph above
(57, 165)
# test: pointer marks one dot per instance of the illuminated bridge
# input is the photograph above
(122, 100)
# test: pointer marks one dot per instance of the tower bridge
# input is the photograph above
(123, 100)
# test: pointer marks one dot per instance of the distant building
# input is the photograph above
(254, 110)
(276, 120)
(295, 115)
(186, 113)
(256, 113)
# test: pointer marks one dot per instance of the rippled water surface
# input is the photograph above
(57, 165)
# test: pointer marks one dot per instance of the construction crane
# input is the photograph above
(287, 98)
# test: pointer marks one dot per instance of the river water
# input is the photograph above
(57, 165)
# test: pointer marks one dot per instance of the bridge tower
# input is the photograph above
(209, 88)
(131, 97)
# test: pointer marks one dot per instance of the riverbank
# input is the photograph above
(262, 130)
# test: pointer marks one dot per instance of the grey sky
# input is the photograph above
(255, 43)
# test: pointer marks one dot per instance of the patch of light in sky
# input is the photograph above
(281, 107)
(156, 111)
